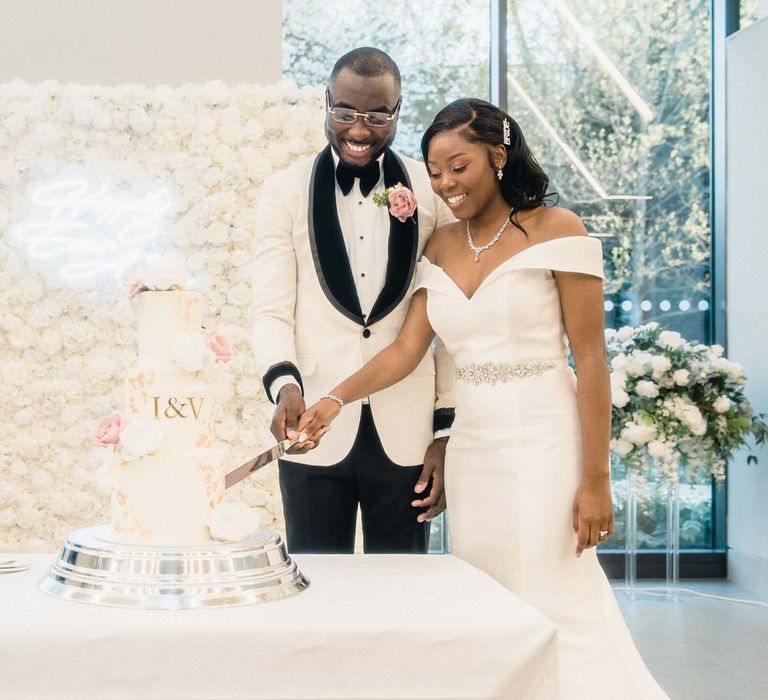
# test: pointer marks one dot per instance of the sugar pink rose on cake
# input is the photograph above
(109, 430)
(218, 345)
(400, 200)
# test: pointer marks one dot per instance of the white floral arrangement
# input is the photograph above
(68, 339)
(140, 438)
(677, 405)
(131, 440)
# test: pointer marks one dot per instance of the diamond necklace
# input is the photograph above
(481, 249)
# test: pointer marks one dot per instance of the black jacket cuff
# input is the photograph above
(281, 369)
(443, 419)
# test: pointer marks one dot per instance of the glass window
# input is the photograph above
(442, 55)
(615, 106)
(747, 13)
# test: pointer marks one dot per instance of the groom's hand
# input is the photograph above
(285, 419)
(434, 466)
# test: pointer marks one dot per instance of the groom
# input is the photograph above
(333, 280)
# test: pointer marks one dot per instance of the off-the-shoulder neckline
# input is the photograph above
(503, 263)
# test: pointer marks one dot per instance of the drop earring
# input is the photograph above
(499, 173)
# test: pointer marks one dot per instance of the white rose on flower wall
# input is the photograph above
(67, 347)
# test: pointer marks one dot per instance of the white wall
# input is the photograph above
(747, 257)
(109, 42)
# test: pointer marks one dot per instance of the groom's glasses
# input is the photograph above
(349, 116)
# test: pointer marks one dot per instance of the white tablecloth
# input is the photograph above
(382, 626)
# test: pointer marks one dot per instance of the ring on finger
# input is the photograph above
(602, 533)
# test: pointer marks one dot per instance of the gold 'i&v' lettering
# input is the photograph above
(195, 409)
(176, 409)
(173, 409)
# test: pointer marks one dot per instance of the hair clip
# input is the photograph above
(507, 137)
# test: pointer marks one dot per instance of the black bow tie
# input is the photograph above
(369, 175)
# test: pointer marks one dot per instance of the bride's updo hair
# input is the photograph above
(524, 183)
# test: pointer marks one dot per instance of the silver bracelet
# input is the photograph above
(335, 398)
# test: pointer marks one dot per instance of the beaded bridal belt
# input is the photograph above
(495, 372)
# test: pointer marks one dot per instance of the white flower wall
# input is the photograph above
(94, 180)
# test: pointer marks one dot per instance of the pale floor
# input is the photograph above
(699, 648)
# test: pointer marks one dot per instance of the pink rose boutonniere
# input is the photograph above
(400, 200)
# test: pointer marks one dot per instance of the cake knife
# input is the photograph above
(252, 465)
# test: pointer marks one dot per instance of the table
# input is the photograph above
(369, 627)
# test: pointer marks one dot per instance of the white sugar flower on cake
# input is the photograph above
(194, 351)
(140, 438)
(190, 352)
(219, 346)
(233, 521)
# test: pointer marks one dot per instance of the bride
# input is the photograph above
(511, 288)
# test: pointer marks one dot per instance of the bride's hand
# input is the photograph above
(592, 513)
(317, 419)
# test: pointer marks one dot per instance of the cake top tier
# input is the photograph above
(162, 316)
(163, 275)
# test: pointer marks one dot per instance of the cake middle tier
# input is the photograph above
(177, 401)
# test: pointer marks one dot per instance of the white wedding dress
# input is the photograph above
(514, 459)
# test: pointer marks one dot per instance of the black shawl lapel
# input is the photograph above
(403, 245)
(328, 250)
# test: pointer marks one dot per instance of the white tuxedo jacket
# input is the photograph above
(306, 315)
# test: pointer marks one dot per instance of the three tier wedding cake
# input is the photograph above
(167, 481)
(167, 477)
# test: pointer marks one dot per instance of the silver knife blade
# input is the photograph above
(252, 465)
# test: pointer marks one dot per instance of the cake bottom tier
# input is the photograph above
(166, 500)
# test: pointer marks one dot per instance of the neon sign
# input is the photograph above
(83, 227)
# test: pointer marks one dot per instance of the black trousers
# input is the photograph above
(320, 503)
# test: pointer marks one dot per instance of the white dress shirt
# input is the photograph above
(365, 228)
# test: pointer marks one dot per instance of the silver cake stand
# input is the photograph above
(92, 569)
